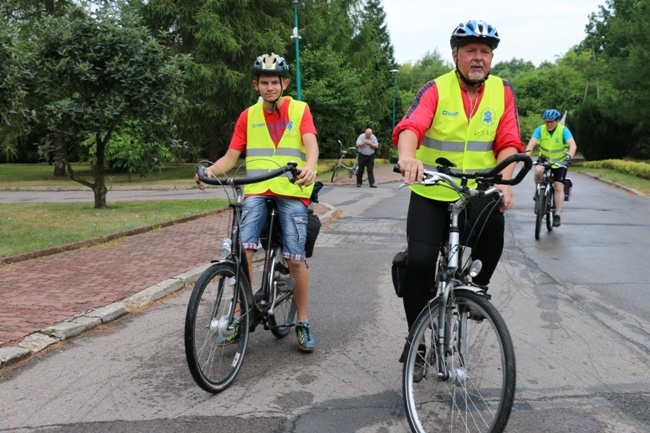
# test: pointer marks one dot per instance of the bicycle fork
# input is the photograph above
(450, 338)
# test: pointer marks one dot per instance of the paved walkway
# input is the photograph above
(48, 298)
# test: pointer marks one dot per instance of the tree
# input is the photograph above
(13, 74)
(618, 36)
(509, 69)
(331, 90)
(98, 72)
(223, 39)
(372, 53)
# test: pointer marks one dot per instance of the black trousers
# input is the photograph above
(366, 161)
(427, 223)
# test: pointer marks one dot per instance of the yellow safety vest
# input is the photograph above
(468, 143)
(552, 147)
(262, 156)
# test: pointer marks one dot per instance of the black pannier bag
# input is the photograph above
(313, 228)
(398, 271)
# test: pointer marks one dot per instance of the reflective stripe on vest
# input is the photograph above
(552, 147)
(262, 156)
(468, 143)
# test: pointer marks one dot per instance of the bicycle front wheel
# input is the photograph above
(550, 208)
(284, 313)
(478, 393)
(214, 349)
(335, 173)
(539, 213)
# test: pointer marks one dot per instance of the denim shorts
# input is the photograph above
(293, 219)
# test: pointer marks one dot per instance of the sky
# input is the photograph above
(534, 31)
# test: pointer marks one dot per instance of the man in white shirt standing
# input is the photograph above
(366, 146)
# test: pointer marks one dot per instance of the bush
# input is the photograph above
(638, 169)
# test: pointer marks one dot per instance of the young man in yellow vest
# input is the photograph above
(557, 146)
(274, 131)
(470, 118)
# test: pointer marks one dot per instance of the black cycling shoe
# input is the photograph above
(556, 221)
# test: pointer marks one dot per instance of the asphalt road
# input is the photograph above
(576, 303)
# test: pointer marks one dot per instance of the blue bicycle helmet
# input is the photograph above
(270, 64)
(550, 115)
(474, 31)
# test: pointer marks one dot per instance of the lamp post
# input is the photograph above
(297, 39)
(394, 74)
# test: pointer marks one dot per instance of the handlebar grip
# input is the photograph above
(528, 164)
(517, 157)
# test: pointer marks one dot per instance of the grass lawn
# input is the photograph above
(636, 183)
(34, 226)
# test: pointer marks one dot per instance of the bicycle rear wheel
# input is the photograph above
(284, 314)
(214, 365)
(479, 393)
(335, 173)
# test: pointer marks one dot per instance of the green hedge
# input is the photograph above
(638, 169)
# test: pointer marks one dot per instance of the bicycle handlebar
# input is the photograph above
(548, 164)
(343, 150)
(202, 176)
(491, 176)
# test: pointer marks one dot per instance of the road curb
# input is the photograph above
(77, 325)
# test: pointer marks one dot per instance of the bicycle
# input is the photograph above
(352, 169)
(222, 298)
(460, 339)
(545, 197)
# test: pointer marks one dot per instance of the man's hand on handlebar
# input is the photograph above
(567, 160)
(508, 197)
(412, 169)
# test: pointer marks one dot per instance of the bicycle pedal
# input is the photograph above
(259, 296)
(286, 285)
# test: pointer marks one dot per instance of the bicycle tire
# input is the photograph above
(550, 208)
(539, 214)
(335, 173)
(284, 315)
(479, 395)
(214, 367)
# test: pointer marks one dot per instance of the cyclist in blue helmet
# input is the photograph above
(470, 118)
(556, 145)
(475, 32)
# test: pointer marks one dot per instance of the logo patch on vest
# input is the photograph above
(258, 125)
(449, 113)
(487, 117)
(290, 125)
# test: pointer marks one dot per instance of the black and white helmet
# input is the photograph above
(270, 64)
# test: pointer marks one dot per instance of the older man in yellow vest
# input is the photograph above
(469, 118)
(274, 131)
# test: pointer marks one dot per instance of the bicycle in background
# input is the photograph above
(222, 298)
(460, 339)
(352, 169)
(545, 196)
